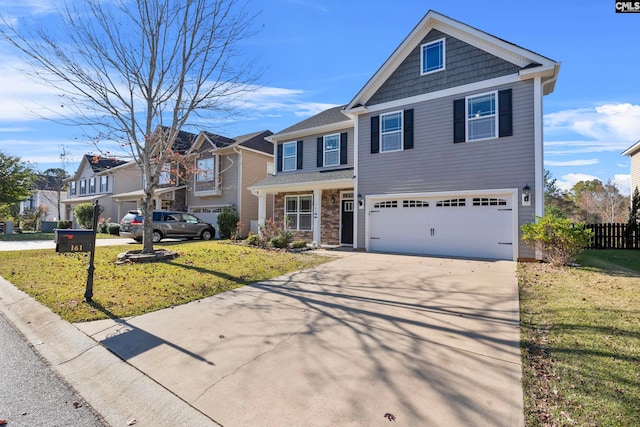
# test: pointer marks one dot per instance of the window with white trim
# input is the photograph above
(72, 188)
(165, 175)
(391, 131)
(83, 186)
(332, 150)
(92, 185)
(451, 202)
(298, 212)
(104, 183)
(206, 170)
(289, 156)
(482, 120)
(386, 204)
(432, 56)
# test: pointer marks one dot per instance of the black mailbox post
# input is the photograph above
(80, 241)
(74, 240)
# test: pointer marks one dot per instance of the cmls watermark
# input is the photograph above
(628, 7)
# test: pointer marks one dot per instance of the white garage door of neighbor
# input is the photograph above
(208, 214)
(475, 227)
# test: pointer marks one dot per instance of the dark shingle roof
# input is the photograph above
(327, 117)
(99, 163)
(256, 141)
(219, 140)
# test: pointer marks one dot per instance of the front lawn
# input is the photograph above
(580, 330)
(202, 269)
(21, 237)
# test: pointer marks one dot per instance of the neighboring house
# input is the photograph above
(634, 155)
(98, 178)
(440, 153)
(224, 168)
(43, 196)
(173, 185)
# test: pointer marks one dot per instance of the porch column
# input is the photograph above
(158, 201)
(317, 215)
(262, 208)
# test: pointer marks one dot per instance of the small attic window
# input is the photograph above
(432, 56)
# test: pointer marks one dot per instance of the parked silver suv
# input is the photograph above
(166, 224)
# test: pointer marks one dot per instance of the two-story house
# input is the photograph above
(440, 153)
(97, 178)
(224, 168)
(634, 158)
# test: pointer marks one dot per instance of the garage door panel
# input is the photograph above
(479, 227)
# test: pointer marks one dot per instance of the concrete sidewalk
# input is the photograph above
(431, 341)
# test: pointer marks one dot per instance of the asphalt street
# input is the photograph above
(31, 394)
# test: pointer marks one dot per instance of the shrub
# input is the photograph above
(84, 214)
(103, 224)
(114, 229)
(64, 224)
(254, 240)
(557, 238)
(282, 240)
(227, 222)
(299, 244)
(268, 229)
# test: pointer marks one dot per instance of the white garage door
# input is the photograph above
(472, 226)
(208, 214)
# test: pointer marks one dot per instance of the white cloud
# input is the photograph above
(585, 162)
(566, 182)
(623, 181)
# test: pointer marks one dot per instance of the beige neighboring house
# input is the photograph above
(48, 199)
(99, 178)
(225, 168)
(634, 155)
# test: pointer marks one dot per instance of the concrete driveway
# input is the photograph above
(429, 341)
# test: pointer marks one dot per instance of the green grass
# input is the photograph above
(581, 341)
(202, 269)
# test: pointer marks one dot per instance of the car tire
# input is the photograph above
(207, 234)
(156, 236)
(138, 240)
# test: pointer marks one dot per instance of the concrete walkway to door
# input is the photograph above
(429, 341)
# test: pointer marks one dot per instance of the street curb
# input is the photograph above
(113, 388)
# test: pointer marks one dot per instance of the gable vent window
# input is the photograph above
(386, 204)
(451, 202)
(415, 204)
(482, 201)
(483, 116)
(433, 56)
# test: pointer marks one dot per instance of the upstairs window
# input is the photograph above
(83, 186)
(72, 188)
(391, 131)
(482, 120)
(92, 185)
(332, 150)
(165, 175)
(206, 170)
(432, 56)
(104, 183)
(289, 156)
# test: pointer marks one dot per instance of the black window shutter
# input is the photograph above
(320, 152)
(505, 116)
(408, 129)
(279, 159)
(375, 134)
(459, 120)
(343, 148)
(299, 154)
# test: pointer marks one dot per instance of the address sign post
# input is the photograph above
(74, 241)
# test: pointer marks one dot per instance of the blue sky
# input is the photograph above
(318, 54)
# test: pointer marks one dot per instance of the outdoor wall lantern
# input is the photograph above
(333, 200)
(526, 195)
(360, 201)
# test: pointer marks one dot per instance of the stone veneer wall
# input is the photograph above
(330, 212)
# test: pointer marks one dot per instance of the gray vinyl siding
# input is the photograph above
(463, 64)
(436, 164)
(309, 152)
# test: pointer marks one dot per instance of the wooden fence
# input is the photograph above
(613, 236)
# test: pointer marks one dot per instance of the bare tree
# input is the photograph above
(138, 71)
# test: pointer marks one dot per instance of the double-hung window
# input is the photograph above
(165, 175)
(289, 156)
(332, 150)
(482, 120)
(206, 170)
(433, 56)
(72, 188)
(298, 212)
(83, 186)
(391, 131)
(104, 183)
(92, 185)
